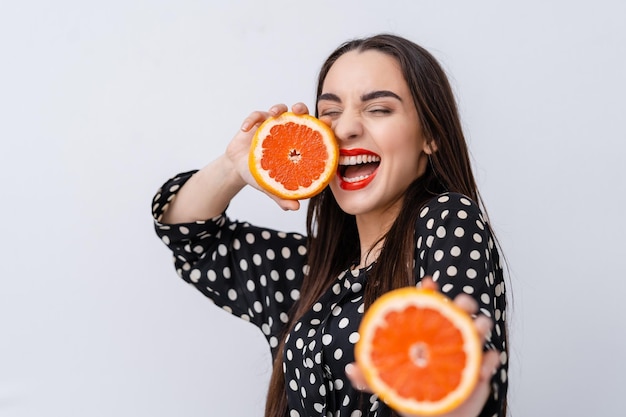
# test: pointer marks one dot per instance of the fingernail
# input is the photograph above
(245, 126)
(274, 110)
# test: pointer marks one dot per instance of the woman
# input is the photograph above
(409, 214)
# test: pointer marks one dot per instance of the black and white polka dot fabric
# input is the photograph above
(255, 273)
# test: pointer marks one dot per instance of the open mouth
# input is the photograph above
(357, 167)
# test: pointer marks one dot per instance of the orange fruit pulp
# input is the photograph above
(293, 156)
(418, 351)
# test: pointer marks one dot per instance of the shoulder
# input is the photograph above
(450, 204)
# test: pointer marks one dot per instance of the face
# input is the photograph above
(367, 102)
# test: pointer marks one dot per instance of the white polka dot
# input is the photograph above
(299, 344)
(258, 307)
(198, 249)
(166, 240)
(295, 295)
(356, 413)
(184, 230)
(211, 275)
(284, 317)
(256, 259)
(318, 407)
(236, 244)
(429, 241)
(274, 275)
(232, 294)
(226, 272)
(302, 250)
(424, 212)
(327, 339)
(459, 232)
(343, 323)
(451, 271)
(338, 354)
(471, 273)
(322, 390)
(441, 232)
(279, 296)
(269, 254)
(356, 287)
(444, 214)
(290, 274)
(354, 337)
(265, 328)
(293, 385)
(468, 289)
(243, 265)
(430, 223)
(273, 342)
(303, 392)
(174, 187)
(447, 288)
(338, 384)
(317, 307)
(265, 234)
(485, 298)
(477, 238)
(465, 201)
(194, 275)
(285, 252)
(438, 255)
(475, 255)
(289, 354)
(455, 251)
(443, 199)
(336, 311)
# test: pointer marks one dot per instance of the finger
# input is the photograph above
(300, 108)
(277, 109)
(466, 303)
(428, 283)
(491, 362)
(255, 118)
(483, 326)
(287, 205)
(356, 377)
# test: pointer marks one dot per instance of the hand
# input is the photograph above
(239, 147)
(491, 360)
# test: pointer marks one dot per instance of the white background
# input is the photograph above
(101, 102)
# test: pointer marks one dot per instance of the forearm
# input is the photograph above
(206, 194)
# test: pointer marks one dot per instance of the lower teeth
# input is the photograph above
(355, 179)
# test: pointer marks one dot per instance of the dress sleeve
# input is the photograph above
(455, 246)
(251, 272)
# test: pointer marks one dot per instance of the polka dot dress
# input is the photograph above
(255, 274)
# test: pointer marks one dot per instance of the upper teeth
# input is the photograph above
(359, 159)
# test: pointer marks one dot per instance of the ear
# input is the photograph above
(430, 147)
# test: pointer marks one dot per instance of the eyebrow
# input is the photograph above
(365, 97)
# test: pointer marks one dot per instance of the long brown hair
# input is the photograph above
(332, 233)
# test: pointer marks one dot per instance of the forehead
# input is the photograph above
(364, 71)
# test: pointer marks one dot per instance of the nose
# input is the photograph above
(347, 127)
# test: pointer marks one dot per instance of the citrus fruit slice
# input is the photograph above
(418, 351)
(293, 156)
